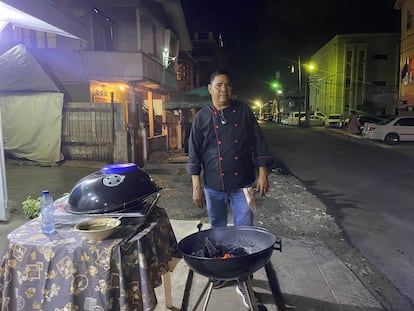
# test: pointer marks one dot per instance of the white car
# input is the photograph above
(294, 117)
(333, 120)
(391, 131)
(313, 120)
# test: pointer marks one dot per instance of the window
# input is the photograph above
(405, 122)
(103, 32)
(45, 40)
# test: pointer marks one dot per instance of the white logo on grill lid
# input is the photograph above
(113, 180)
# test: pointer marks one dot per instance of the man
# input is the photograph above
(226, 144)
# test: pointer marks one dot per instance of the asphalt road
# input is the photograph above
(366, 186)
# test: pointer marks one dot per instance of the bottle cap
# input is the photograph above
(45, 191)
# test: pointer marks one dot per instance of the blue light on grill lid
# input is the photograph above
(118, 168)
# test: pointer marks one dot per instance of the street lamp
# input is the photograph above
(309, 69)
(259, 104)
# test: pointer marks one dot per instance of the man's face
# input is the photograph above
(221, 90)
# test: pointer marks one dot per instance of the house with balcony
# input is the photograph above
(406, 75)
(115, 62)
(356, 72)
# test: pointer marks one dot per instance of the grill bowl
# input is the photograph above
(258, 243)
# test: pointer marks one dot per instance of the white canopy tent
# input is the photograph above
(31, 108)
(31, 105)
(21, 73)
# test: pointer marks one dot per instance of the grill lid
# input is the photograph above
(116, 187)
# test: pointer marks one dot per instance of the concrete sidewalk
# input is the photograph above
(311, 278)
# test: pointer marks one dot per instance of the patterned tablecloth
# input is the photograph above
(63, 271)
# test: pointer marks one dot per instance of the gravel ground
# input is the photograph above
(288, 209)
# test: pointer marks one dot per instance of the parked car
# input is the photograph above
(371, 119)
(367, 119)
(391, 131)
(333, 120)
(319, 114)
(313, 120)
(282, 117)
(294, 117)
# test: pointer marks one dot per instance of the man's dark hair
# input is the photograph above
(219, 72)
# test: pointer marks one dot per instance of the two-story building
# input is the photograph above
(115, 62)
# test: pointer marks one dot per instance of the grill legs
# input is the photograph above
(248, 287)
(208, 288)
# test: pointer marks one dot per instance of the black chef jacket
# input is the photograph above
(226, 148)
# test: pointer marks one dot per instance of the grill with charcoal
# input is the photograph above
(230, 253)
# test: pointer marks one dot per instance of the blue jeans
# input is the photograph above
(217, 202)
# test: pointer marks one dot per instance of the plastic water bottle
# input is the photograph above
(47, 210)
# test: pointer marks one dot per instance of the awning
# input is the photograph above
(196, 98)
(40, 15)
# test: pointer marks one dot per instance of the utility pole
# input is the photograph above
(300, 87)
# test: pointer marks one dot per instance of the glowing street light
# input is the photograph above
(259, 104)
(311, 67)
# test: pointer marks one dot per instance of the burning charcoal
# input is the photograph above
(210, 248)
(199, 253)
(223, 250)
(239, 251)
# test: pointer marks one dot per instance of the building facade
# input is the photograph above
(129, 54)
(406, 76)
(356, 72)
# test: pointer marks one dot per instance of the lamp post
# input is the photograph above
(278, 94)
(259, 104)
(309, 69)
(278, 91)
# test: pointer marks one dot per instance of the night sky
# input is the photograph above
(262, 37)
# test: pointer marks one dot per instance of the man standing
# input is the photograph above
(226, 145)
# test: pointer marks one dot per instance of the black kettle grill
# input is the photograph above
(259, 244)
(120, 187)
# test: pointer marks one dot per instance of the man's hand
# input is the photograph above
(262, 182)
(199, 198)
